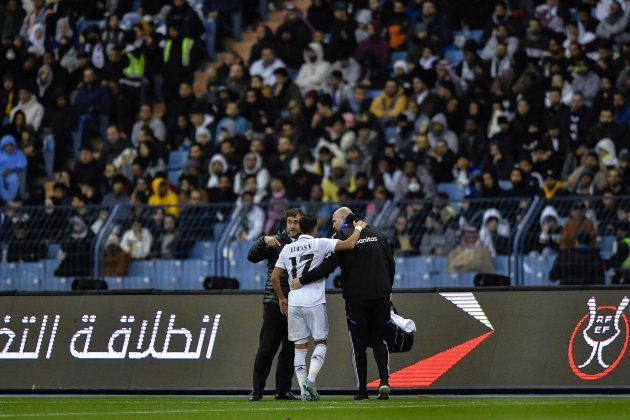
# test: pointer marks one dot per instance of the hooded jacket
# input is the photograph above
(15, 160)
(33, 111)
(486, 237)
(213, 181)
(609, 158)
(447, 135)
(170, 198)
(262, 176)
(550, 239)
(313, 75)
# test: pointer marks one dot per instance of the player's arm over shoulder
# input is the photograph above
(350, 243)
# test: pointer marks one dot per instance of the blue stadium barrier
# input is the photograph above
(30, 276)
(137, 282)
(502, 264)
(7, 277)
(53, 250)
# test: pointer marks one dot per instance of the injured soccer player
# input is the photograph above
(306, 306)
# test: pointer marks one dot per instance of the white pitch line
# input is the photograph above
(354, 405)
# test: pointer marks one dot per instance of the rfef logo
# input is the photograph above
(599, 340)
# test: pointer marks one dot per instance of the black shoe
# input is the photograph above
(383, 391)
(286, 396)
(361, 395)
(255, 396)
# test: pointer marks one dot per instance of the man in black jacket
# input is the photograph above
(274, 328)
(367, 275)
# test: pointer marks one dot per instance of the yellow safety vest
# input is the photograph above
(136, 65)
(626, 262)
(187, 44)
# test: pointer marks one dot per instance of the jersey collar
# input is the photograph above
(304, 235)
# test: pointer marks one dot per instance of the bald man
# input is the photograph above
(367, 275)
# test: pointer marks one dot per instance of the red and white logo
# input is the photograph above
(599, 340)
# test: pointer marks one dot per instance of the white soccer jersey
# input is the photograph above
(300, 257)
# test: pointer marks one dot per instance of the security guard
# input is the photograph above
(181, 57)
(367, 275)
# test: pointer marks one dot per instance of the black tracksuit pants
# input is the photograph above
(367, 320)
(272, 334)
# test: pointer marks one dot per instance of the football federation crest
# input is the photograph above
(599, 340)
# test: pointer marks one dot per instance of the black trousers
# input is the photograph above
(367, 320)
(272, 334)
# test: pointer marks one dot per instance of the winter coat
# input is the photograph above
(313, 75)
(496, 242)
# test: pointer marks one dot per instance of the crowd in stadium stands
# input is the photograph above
(348, 101)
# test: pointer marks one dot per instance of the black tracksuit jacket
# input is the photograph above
(260, 251)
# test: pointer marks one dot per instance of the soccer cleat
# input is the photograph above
(310, 388)
(383, 392)
(255, 396)
(306, 397)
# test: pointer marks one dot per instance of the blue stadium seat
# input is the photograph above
(53, 250)
(30, 276)
(505, 184)
(453, 54)
(398, 55)
(115, 282)
(218, 229)
(177, 159)
(412, 271)
(606, 245)
(455, 192)
(502, 264)
(249, 276)
(168, 274)
(7, 276)
(330, 281)
(173, 176)
(137, 282)
(204, 250)
(195, 272)
(52, 283)
(536, 269)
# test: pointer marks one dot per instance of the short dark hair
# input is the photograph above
(293, 212)
(308, 222)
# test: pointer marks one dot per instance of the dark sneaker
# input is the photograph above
(286, 396)
(255, 396)
(361, 395)
(383, 392)
(310, 388)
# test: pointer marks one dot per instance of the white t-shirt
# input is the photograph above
(300, 257)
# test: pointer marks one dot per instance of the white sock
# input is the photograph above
(299, 363)
(317, 361)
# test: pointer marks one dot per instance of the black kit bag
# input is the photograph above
(398, 339)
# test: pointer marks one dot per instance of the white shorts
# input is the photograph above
(311, 321)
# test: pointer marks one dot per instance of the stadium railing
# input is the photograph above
(46, 248)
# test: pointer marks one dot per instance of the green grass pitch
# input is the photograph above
(331, 408)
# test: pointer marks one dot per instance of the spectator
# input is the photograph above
(88, 169)
(550, 230)
(471, 256)
(146, 120)
(615, 183)
(374, 43)
(28, 104)
(589, 162)
(182, 56)
(92, 101)
(390, 104)
(401, 241)
(577, 223)
(336, 181)
(349, 68)
(342, 41)
(76, 251)
(24, 245)
(495, 233)
(438, 239)
(252, 218)
(579, 264)
(166, 242)
(284, 93)
(118, 194)
(264, 39)
(12, 161)
(184, 16)
(252, 165)
(278, 204)
(292, 37)
(266, 66)
(163, 196)
(314, 71)
(137, 241)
